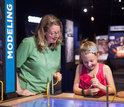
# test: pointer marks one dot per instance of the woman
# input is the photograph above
(39, 56)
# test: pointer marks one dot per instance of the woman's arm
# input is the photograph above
(19, 90)
(17, 83)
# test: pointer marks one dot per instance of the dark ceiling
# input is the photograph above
(105, 12)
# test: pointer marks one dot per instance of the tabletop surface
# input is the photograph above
(20, 100)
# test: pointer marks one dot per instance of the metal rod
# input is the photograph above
(52, 84)
(48, 96)
(107, 100)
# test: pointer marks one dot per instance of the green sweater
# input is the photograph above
(36, 67)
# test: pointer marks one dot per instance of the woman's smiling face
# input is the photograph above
(53, 34)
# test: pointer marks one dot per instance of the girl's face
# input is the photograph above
(90, 61)
(52, 34)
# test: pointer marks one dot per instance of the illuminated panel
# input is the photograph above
(9, 46)
(34, 19)
(116, 28)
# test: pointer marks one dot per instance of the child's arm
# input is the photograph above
(76, 88)
(109, 78)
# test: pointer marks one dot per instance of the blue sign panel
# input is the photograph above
(9, 46)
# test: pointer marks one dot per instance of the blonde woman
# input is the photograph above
(39, 56)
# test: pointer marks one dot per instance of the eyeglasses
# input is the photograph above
(53, 33)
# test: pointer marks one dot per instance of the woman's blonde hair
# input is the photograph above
(46, 22)
(87, 47)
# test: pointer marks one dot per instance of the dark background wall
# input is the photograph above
(105, 12)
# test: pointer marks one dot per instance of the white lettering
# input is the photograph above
(9, 7)
(9, 15)
(10, 54)
(9, 46)
(9, 39)
(10, 31)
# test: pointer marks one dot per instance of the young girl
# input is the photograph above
(92, 77)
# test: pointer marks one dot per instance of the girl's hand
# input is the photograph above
(58, 75)
(24, 93)
(92, 91)
(95, 83)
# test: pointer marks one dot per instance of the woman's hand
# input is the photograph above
(24, 93)
(58, 75)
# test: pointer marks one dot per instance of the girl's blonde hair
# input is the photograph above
(46, 22)
(87, 47)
